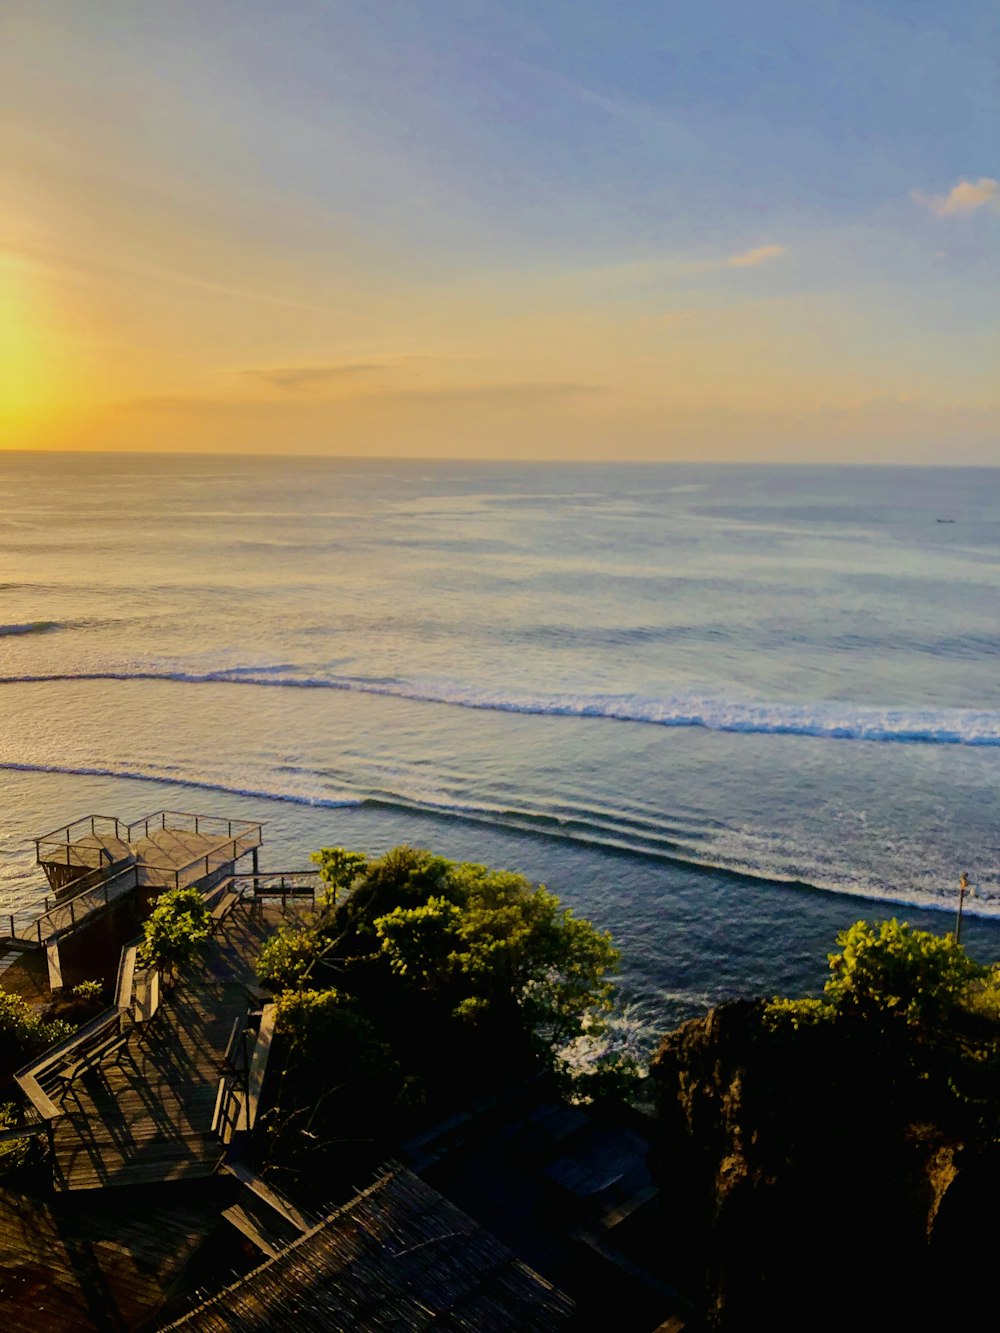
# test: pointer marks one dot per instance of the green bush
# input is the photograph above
(286, 957)
(326, 1026)
(176, 931)
(501, 950)
(338, 868)
(13, 1154)
(894, 971)
(983, 998)
(88, 990)
(781, 1015)
(24, 1033)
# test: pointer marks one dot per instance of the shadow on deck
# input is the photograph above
(144, 1114)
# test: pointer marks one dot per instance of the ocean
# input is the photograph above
(721, 711)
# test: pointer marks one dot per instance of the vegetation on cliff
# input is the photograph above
(852, 1137)
(422, 982)
(176, 931)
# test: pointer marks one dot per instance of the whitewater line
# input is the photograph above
(824, 720)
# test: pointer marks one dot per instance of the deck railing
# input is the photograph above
(191, 823)
(98, 889)
(51, 1071)
(65, 914)
(62, 845)
(283, 884)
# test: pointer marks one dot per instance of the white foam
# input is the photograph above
(828, 720)
(139, 775)
(28, 627)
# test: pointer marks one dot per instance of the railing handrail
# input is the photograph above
(244, 824)
(125, 983)
(60, 1053)
(71, 901)
(61, 835)
(65, 828)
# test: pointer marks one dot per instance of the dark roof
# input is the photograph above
(397, 1256)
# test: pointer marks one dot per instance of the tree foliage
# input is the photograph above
(325, 1025)
(892, 970)
(24, 1032)
(176, 931)
(498, 949)
(286, 957)
(338, 868)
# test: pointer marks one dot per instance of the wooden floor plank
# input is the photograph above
(148, 1108)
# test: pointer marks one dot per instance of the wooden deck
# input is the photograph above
(154, 855)
(80, 1262)
(165, 849)
(144, 1115)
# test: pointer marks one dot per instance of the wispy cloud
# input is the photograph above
(495, 394)
(965, 197)
(751, 258)
(762, 254)
(307, 377)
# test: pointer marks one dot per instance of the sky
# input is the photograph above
(720, 230)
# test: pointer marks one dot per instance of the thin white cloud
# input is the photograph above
(966, 197)
(751, 258)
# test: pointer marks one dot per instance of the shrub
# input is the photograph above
(324, 1025)
(781, 1015)
(894, 971)
(13, 1154)
(88, 990)
(338, 868)
(286, 957)
(176, 931)
(499, 949)
(23, 1031)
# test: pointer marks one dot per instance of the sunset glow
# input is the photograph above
(501, 230)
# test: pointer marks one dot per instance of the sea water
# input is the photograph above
(722, 711)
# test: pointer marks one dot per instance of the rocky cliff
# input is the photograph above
(837, 1175)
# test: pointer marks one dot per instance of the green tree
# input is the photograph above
(892, 970)
(500, 950)
(326, 1026)
(338, 868)
(176, 931)
(286, 957)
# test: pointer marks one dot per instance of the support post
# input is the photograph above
(963, 889)
(54, 964)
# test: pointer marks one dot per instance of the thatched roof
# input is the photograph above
(397, 1256)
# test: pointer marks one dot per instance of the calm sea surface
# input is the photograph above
(722, 711)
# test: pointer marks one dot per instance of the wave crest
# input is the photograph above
(827, 720)
(29, 627)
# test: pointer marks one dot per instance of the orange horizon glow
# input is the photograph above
(180, 269)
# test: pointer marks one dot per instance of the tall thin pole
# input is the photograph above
(963, 885)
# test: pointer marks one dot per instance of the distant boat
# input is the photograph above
(946, 520)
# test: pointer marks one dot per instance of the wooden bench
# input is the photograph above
(91, 1056)
(222, 909)
(236, 1049)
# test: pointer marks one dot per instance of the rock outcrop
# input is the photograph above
(837, 1175)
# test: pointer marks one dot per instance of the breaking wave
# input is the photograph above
(29, 627)
(828, 720)
(173, 780)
